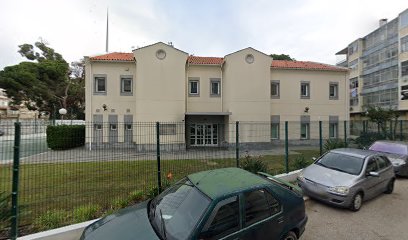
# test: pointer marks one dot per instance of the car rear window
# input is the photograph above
(394, 148)
(341, 162)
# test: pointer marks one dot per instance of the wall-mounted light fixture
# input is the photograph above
(105, 108)
(306, 109)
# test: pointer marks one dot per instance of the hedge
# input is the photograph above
(65, 136)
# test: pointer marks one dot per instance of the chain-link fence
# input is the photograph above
(118, 164)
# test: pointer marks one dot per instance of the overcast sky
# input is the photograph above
(312, 30)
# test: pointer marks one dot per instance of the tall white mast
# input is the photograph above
(107, 30)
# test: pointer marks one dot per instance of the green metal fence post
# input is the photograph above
(14, 194)
(237, 142)
(364, 127)
(286, 148)
(320, 138)
(401, 130)
(158, 156)
(345, 133)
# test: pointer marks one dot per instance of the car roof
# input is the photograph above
(225, 181)
(360, 153)
(392, 142)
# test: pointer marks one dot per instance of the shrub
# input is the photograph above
(65, 136)
(119, 203)
(154, 191)
(136, 196)
(333, 144)
(300, 162)
(50, 220)
(366, 139)
(5, 209)
(87, 212)
(254, 164)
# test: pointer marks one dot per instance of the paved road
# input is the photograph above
(383, 218)
(31, 144)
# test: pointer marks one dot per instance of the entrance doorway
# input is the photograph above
(204, 134)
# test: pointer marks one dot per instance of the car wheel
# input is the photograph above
(290, 236)
(390, 187)
(356, 202)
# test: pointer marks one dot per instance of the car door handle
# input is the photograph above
(281, 219)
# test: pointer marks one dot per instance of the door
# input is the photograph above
(128, 133)
(263, 216)
(223, 222)
(204, 134)
(371, 182)
(386, 172)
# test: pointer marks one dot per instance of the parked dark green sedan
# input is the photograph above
(228, 203)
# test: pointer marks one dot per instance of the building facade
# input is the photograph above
(378, 64)
(159, 83)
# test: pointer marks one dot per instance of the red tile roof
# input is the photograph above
(277, 64)
(300, 65)
(205, 60)
(115, 56)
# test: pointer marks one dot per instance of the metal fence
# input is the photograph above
(124, 163)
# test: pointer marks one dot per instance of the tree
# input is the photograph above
(45, 83)
(282, 57)
(381, 116)
(76, 97)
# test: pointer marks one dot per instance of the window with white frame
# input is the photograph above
(98, 127)
(304, 130)
(194, 87)
(126, 85)
(275, 91)
(334, 91)
(333, 130)
(353, 83)
(100, 85)
(305, 90)
(215, 87)
(113, 127)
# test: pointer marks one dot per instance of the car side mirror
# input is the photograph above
(373, 174)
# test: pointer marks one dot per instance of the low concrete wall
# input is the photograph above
(289, 177)
(73, 232)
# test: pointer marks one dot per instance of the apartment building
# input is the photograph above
(160, 83)
(378, 64)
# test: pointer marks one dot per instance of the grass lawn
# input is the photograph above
(66, 186)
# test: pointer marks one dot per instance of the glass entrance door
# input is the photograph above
(203, 134)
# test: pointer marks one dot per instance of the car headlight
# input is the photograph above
(300, 177)
(340, 189)
(397, 162)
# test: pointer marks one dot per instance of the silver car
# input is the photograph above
(397, 153)
(346, 177)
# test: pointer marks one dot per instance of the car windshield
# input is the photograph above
(341, 162)
(176, 211)
(394, 148)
